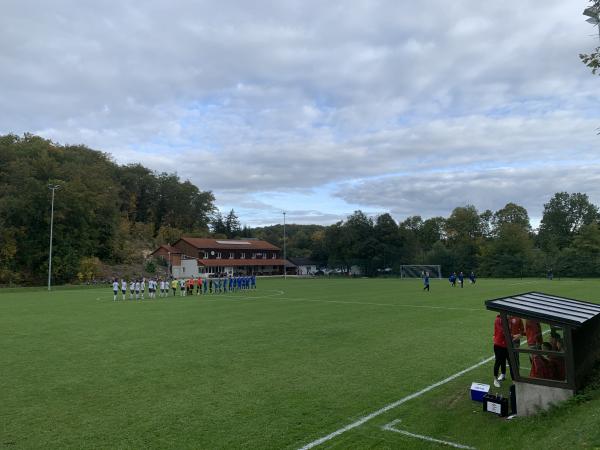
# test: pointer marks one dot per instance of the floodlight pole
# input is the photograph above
(170, 271)
(53, 188)
(284, 250)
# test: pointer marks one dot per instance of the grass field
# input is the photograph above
(278, 367)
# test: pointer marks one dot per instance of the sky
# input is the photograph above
(317, 108)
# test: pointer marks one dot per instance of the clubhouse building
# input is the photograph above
(189, 257)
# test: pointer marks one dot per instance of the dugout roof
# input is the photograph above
(546, 307)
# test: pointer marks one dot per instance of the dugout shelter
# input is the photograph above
(557, 351)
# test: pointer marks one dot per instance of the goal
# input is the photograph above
(417, 270)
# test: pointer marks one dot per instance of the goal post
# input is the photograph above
(417, 270)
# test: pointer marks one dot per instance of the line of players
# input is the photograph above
(137, 288)
(453, 278)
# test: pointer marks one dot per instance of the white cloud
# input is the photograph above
(255, 99)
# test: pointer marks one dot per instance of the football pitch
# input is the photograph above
(296, 363)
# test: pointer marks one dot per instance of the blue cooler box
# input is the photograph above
(478, 390)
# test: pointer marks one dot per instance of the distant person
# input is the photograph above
(174, 284)
(556, 341)
(541, 367)
(533, 331)
(138, 287)
(472, 277)
(426, 281)
(115, 289)
(461, 279)
(517, 330)
(182, 288)
(550, 274)
(557, 363)
(123, 288)
(142, 288)
(131, 289)
(500, 352)
(452, 279)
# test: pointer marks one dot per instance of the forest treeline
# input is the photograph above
(116, 214)
(102, 210)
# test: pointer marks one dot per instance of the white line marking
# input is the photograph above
(390, 427)
(393, 405)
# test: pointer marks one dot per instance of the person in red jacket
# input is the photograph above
(533, 331)
(517, 330)
(500, 352)
(541, 366)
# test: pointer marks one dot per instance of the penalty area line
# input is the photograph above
(390, 427)
(391, 406)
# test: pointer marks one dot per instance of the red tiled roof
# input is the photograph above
(239, 262)
(229, 244)
(168, 248)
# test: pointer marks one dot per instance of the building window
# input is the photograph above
(231, 255)
(218, 255)
(265, 255)
(205, 255)
(274, 255)
(243, 255)
(538, 350)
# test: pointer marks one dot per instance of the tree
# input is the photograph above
(563, 216)
(232, 225)
(388, 240)
(463, 229)
(102, 210)
(509, 254)
(592, 60)
(218, 225)
(432, 231)
(513, 214)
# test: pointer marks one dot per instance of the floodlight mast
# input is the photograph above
(284, 250)
(53, 188)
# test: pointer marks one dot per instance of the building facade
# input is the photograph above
(203, 257)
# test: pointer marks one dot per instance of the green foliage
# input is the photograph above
(150, 266)
(101, 210)
(592, 60)
(563, 217)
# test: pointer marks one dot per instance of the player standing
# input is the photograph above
(115, 289)
(426, 282)
(123, 288)
(131, 289)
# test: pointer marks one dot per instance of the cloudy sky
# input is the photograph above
(317, 108)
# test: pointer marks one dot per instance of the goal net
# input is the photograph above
(417, 270)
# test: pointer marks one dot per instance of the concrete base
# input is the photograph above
(532, 398)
